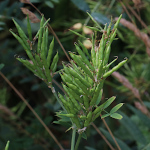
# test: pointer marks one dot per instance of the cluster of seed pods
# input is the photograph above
(84, 77)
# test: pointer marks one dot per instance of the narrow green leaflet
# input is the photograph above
(116, 116)
(114, 109)
(108, 102)
(105, 115)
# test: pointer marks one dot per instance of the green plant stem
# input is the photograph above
(59, 101)
(73, 137)
(78, 141)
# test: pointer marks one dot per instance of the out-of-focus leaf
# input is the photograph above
(133, 129)
(55, 1)
(147, 147)
(49, 4)
(89, 148)
(142, 117)
(81, 4)
(100, 18)
(35, 1)
(1, 66)
(3, 5)
(122, 145)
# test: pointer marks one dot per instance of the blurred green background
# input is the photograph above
(131, 85)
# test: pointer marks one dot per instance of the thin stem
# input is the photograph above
(33, 111)
(59, 101)
(104, 138)
(111, 133)
(73, 137)
(78, 141)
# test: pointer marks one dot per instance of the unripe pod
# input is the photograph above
(50, 52)
(68, 115)
(88, 119)
(82, 117)
(114, 69)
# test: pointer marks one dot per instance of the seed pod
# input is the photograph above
(80, 85)
(67, 115)
(77, 68)
(85, 60)
(80, 35)
(79, 76)
(75, 89)
(20, 40)
(39, 62)
(77, 122)
(29, 28)
(82, 117)
(86, 102)
(93, 54)
(78, 60)
(100, 70)
(67, 78)
(75, 103)
(84, 49)
(99, 97)
(27, 63)
(43, 46)
(76, 96)
(106, 55)
(113, 36)
(71, 107)
(21, 34)
(114, 69)
(43, 58)
(40, 35)
(92, 90)
(50, 51)
(88, 119)
(107, 66)
(94, 21)
(116, 24)
(109, 28)
(36, 36)
(101, 47)
(54, 63)
(46, 41)
(64, 102)
(66, 69)
(39, 41)
(96, 94)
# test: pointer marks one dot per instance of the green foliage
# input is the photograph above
(136, 70)
(7, 145)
